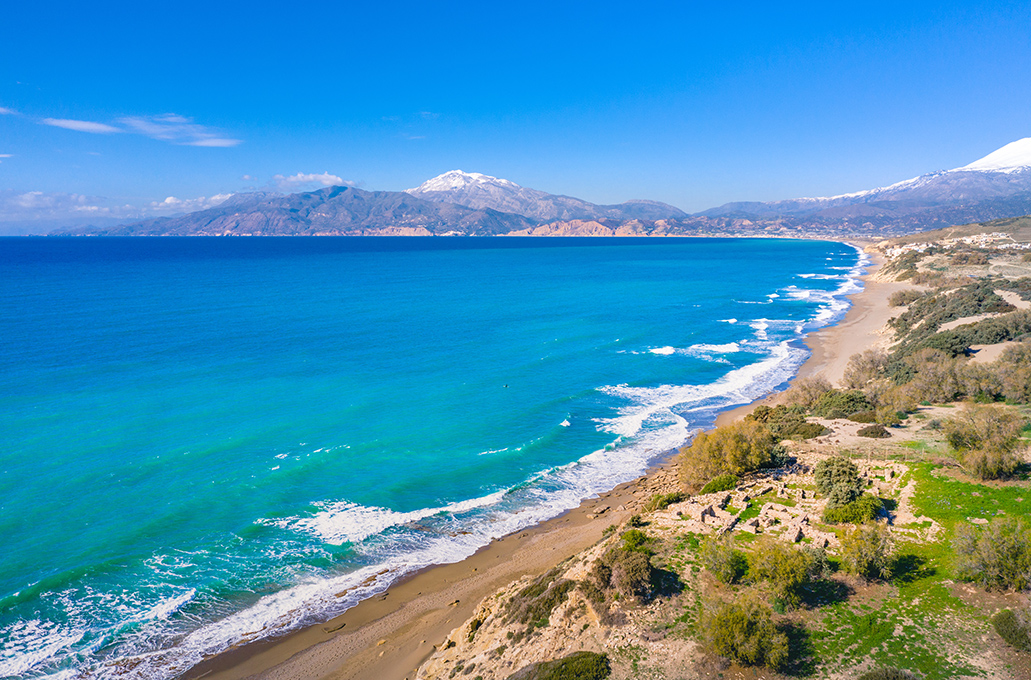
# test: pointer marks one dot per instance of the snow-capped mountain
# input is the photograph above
(478, 191)
(996, 184)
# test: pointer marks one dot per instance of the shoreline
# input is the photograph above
(388, 636)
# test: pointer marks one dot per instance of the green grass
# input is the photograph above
(949, 501)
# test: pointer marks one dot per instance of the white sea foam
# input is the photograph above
(30, 643)
(342, 522)
(726, 348)
(663, 350)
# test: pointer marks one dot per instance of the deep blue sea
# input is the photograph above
(205, 440)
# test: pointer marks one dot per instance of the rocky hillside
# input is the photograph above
(478, 191)
(334, 211)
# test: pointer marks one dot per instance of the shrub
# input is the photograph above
(867, 551)
(721, 483)
(887, 674)
(578, 666)
(985, 439)
(626, 568)
(744, 631)
(979, 381)
(632, 574)
(662, 501)
(806, 391)
(838, 479)
(732, 449)
(635, 540)
(1013, 370)
(969, 257)
(863, 509)
(901, 298)
(720, 558)
(786, 422)
(785, 568)
(887, 415)
(536, 602)
(836, 404)
(864, 417)
(998, 557)
(1011, 629)
(933, 378)
(864, 368)
(873, 432)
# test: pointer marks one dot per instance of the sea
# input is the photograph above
(209, 441)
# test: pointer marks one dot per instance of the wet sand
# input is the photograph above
(388, 637)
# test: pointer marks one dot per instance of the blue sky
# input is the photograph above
(115, 107)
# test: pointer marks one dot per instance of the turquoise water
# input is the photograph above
(209, 440)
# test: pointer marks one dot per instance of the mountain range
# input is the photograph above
(474, 204)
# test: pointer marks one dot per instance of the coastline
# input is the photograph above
(390, 635)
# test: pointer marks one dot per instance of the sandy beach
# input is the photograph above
(389, 636)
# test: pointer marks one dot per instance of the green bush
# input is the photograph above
(786, 422)
(1011, 629)
(837, 404)
(785, 568)
(873, 432)
(901, 298)
(837, 478)
(578, 666)
(635, 540)
(864, 367)
(536, 602)
(744, 631)
(986, 439)
(721, 483)
(662, 501)
(863, 509)
(864, 417)
(867, 551)
(720, 558)
(626, 568)
(805, 392)
(998, 557)
(887, 674)
(632, 574)
(733, 449)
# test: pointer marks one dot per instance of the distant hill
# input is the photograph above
(1019, 229)
(996, 186)
(334, 211)
(475, 190)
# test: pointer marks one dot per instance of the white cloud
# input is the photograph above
(39, 205)
(6, 112)
(81, 125)
(305, 180)
(171, 127)
(5, 155)
(61, 209)
(173, 204)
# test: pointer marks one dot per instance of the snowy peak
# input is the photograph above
(456, 180)
(483, 192)
(1010, 158)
